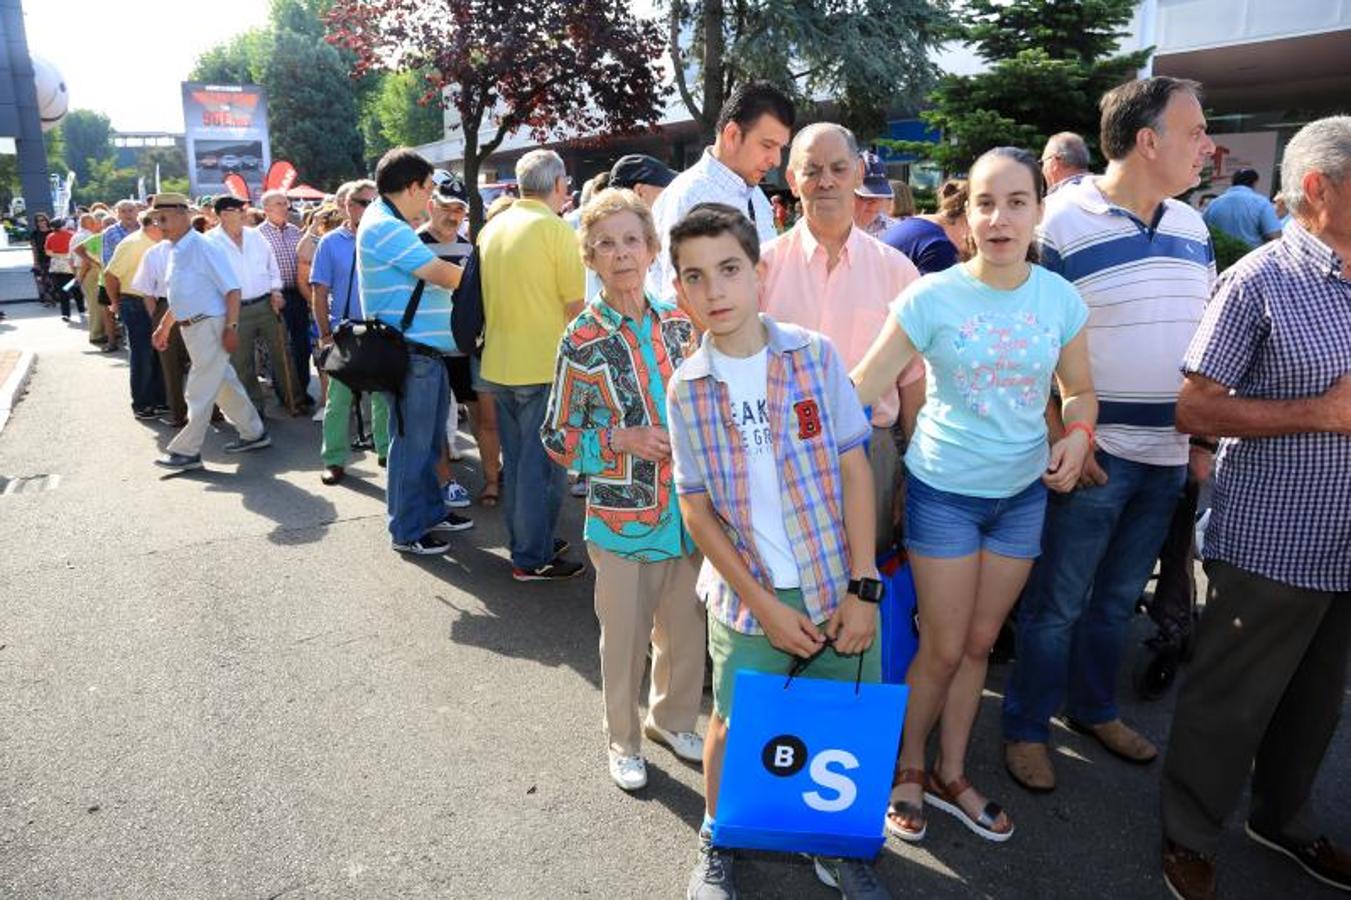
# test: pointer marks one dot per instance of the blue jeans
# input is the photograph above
(413, 493)
(532, 483)
(1098, 549)
(147, 384)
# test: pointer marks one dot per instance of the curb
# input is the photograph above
(14, 385)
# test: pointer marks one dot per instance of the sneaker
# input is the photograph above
(560, 547)
(332, 475)
(453, 523)
(1188, 875)
(629, 772)
(578, 487)
(146, 413)
(456, 496)
(555, 570)
(685, 744)
(242, 445)
(179, 462)
(319, 414)
(429, 544)
(855, 879)
(1322, 859)
(713, 877)
(172, 422)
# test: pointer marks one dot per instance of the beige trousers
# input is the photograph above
(211, 379)
(642, 604)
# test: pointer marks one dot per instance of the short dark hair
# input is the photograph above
(712, 220)
(400, 169)
(1245, 177)
(753, 99)
(1134, 105)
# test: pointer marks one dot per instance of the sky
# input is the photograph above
(152, 43)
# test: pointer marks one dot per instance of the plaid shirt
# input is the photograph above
(815, 418)
(612, 373)
(283, 242)
(1279, 328)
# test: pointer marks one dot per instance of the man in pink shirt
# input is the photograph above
(827, 274)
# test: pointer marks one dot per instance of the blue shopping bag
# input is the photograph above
(900, 618)
(809, 765)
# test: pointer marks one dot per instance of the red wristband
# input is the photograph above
(1086, 428)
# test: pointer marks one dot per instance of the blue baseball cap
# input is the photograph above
(875, 183)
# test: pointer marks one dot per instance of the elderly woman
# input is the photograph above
(606, 419)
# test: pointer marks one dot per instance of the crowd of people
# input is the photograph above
(1023, 388)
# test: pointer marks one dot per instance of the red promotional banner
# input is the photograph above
(280, 177)
(235, 184)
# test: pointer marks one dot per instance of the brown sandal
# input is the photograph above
(905, 819)
(944, 796)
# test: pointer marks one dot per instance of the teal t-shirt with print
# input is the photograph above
(989, 358)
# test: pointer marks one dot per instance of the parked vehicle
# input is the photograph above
(229, 161)
(208, 161)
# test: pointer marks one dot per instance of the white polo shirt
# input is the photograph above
(257, 267)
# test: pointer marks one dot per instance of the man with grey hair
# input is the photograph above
(1065, 159)
(827, 274)
(283, 236)
(533, 284)
(1269, 373)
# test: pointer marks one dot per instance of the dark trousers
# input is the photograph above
(1175, 594)
(173, 362)
(147, 384)
(296, 315)
(65, 296)
(1260, 699)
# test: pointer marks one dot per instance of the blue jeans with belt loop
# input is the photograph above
(1098, 548)
(413, 492)
(147, 383)
(532, 483)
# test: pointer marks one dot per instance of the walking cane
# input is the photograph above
(288, 378)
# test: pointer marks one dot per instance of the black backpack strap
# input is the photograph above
(351, 283)
(413, 302)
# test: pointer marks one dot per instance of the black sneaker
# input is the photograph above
(241, 445)
(560, 547)
(555, 570)
(1321, 858)
(146, 413)
(429, 544)
(712, 878)
(179, 462)
(853, 878)
(453, 523)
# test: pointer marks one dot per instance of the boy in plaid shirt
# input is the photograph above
(767, 436)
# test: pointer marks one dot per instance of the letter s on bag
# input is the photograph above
(822, 774)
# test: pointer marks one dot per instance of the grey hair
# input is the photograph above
(808, 134)
(344, 191)
(1323, 146)
(275, 192)
(1069, 148)
(538, 171)
(361, 184)
(124, 204)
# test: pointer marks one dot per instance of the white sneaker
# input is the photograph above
(456, 496)
(685, 744)
(629, 772)
(319, 413)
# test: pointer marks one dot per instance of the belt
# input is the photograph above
(200, 317)
(254, 300)
(423, 350)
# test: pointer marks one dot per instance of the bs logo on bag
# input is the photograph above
(786, 755)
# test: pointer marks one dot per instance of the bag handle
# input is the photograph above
(800, 664)
(351, 281)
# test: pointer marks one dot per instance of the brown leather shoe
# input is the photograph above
(332, 475)
(1321, 858)
(1029, 764)
(1189, 875)
(1120, 740)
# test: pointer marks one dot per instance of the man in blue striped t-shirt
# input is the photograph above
(392, 260)
(1144, 266)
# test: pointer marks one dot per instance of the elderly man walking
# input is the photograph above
(137, 312)
(533, 283)
(827, 274)
(262, 303)
(203, 291)
(1144, 266)
(283, 236)
(1269, 373)
(1065, 160)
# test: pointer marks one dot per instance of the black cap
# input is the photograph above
(636, 168)
(227, 201)
(1245, 176)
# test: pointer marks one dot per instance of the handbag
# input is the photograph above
(899, 632)
(809, 764)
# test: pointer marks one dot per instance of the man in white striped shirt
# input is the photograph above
(1144, 266)
(753, 128)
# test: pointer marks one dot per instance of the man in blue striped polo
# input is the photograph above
(1144, 265)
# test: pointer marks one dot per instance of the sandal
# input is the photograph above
(490, 494)
(905, 819)
(944, 796)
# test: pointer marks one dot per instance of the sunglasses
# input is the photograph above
(360, 202)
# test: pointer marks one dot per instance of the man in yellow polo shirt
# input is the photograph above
(533, 285)
(136, 313)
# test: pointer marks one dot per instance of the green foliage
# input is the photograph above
(88, 139)
(106, 182)
(400, 116)
(55, 143)
(1228, 249)
(1049, 64)
(240, 60)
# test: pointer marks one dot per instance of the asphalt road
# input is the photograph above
(225, 684)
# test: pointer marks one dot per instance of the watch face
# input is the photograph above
(870, 589)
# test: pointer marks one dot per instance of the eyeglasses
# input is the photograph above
(360, 201)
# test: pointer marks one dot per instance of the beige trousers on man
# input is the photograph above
(642, 604)
(211, 379)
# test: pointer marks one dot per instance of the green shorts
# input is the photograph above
(733, 651)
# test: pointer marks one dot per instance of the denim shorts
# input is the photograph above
(946, 525)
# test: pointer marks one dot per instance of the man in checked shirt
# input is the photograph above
(283, 236)
(1269, 373)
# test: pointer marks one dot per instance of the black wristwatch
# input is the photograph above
(869, 590)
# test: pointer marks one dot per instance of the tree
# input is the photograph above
(105, 182)
(88, 138)
(403, 114)
(548, 66)
(866, 54)
(1050, 61)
